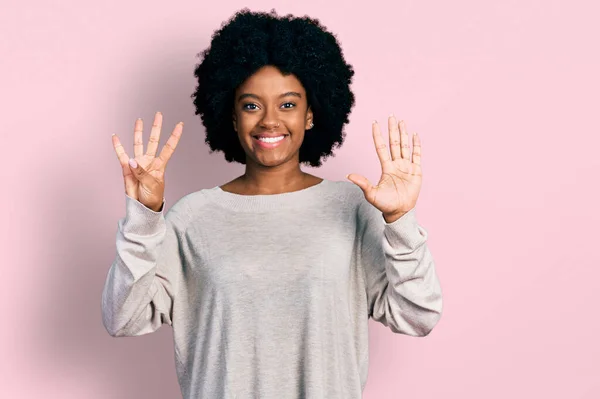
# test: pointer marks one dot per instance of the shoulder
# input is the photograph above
(187, 208)
(345, 191)
(368, 219)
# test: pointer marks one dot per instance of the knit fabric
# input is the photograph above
(269, 296)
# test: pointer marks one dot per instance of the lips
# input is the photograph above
(270, 145)
(271, 135)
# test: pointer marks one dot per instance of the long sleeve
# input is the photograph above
(143, 279)
(403, 290)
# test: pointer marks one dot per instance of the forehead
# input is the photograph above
(270, 81)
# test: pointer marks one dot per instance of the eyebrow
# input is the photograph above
(289, 93)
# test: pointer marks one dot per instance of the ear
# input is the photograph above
(234, 118)
(309, 119)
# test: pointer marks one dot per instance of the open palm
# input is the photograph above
(144, 173)
(401, 177)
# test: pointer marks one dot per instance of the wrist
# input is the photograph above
(392, 217)
(156, 208)
(160, 207)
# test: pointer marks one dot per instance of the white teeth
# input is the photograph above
(271, 139)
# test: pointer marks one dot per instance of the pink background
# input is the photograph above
(504, 96)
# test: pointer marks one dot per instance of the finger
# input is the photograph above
(361, 182)
(416, 158)
(394, 137)
(404, 141)
(380, 147)
(171, 144)
(128, 177)
(154, 135)
(138, 171)
(120, 151)
(138, 141)
(131, 183)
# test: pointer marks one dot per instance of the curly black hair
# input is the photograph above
(295, 45)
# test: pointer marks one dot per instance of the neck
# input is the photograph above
(259, 179)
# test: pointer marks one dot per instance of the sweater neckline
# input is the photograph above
(258, 202)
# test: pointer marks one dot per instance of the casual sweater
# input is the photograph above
(269, 296)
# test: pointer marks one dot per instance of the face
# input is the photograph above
(269, 104)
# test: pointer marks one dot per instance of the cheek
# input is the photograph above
(296, 123)
(246, 122)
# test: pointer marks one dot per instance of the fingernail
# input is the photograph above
(132, 163)
(158, 112)
(139, 119)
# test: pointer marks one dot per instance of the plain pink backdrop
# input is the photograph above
(505, 97)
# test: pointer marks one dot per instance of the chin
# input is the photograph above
(270, 160)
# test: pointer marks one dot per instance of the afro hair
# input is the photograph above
(295, 45)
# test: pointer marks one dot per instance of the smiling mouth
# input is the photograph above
(270, 142)
(271, 139)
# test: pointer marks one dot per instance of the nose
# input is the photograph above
(269, 121)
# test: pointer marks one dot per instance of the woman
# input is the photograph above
(269, 280)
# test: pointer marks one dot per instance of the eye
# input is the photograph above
(245, 106)
(292, 105)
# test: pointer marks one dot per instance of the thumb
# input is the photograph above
(137, 169)
(360, 181)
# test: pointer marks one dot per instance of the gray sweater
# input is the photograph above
(269, 296)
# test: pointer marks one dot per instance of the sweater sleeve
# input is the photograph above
(143, 279)
(403, 290)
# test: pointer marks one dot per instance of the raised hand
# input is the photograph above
(144, 175)
(400, 182)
